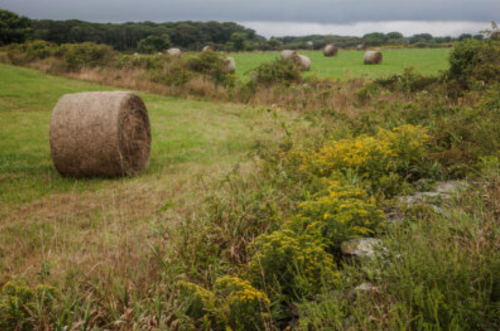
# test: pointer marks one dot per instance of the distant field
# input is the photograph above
(350, 63)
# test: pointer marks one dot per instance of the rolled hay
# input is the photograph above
(373, 57)
(361, 47)
(230, 67)
(174, 52)
(287, 55)
(330, 51)
(207, 48)
(100, 134)
(303, 61)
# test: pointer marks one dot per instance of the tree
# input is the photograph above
(239, 40)
(13, 28)
(375, 39)
(464, 36)
(154, 44)
(421, 38)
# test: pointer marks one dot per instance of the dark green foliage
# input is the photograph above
(277, 72)
(13, 28)
(410, 81)
(475, 62)
(90, 55)
(210, 64)
(154, 44)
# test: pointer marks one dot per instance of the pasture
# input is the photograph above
(80, 226)
(349, 64)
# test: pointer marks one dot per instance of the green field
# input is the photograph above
(350, 63)
(45, 217)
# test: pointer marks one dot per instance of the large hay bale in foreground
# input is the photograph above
(100, 134)
(174, 52)
(303, 61)
(230, 67)
(330, 51)
(207, 48)
(372, 57)
(288, 55)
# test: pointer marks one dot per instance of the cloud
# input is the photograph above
(318, 11)
(407, 28)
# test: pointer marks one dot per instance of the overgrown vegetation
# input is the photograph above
(264, 250)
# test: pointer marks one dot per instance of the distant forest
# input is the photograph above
(150, 36)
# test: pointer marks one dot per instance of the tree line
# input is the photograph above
(150, 37)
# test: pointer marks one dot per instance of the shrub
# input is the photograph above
(410, 81)
(291, 265)
(18, 304)
(277, 73)
(474, 63)
(78, 56)
(233, 304)
(383, 161)
(242, 306)
(342, 212)
(210, 64)
(153, 44)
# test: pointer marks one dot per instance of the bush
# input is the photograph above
(341, 213)
(276, 73)
(78, 56)
(154, 44)
(383, 161)
(210, 64)
(233, 304)
(474, 63)
(19, 302)
(291, 266)
(30, 51)
(410, 81)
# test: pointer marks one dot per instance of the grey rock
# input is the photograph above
(361, 247)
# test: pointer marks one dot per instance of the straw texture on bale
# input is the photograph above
(207, 48)
(361, 47)
(373, 57)
(330, 51)
(230, 67)
(174, 52)
(100, 134)
(303, 61)
(287, 55)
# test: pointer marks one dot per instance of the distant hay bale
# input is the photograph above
(207, 48)
(303, 61)
(361, 47)
(287, 55)
(330, 51)
(174, 52)
(100, 134)
(372, 57)
(230, 67)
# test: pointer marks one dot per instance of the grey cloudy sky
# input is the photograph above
(301, 17)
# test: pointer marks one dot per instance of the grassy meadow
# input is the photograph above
(79, 225)
(256, 192)
(349, 64)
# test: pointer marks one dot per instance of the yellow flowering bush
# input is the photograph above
(342, 212)
(383, 160)
(233, 304)
(18, 302)
(293, 265)
(199, 301)
(244, 307)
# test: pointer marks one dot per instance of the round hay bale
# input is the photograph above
(361, 47)
(372, 57)
(330, 51)
(230, 67)
(174, 52)
(100, 134)
(303, 61)
(287, 55)
(208, 48)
